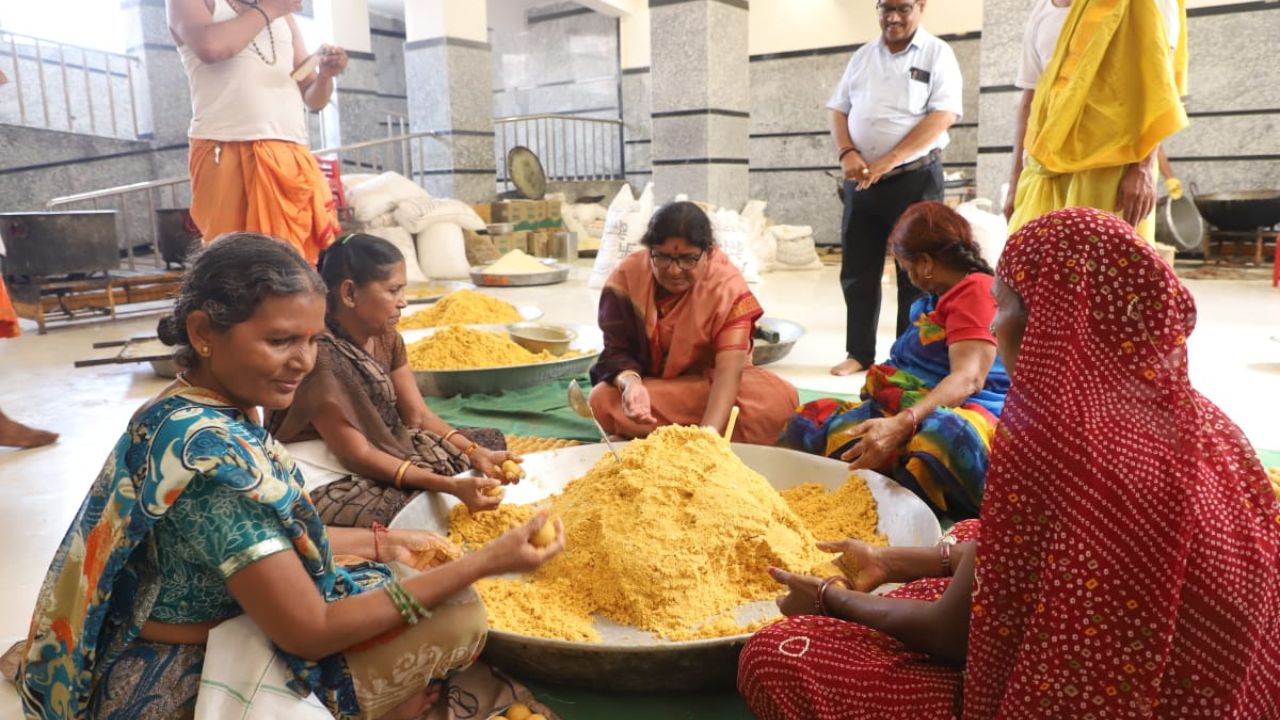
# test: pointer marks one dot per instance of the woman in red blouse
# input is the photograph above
(926, 415)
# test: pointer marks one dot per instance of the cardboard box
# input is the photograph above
(553, 215)
(485, 211)
(539, 244)
(507, 242)
(481, 249)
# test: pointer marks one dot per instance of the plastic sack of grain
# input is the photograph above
(763, 246)
(733, 237)
(417, 214)
(990, 229)
(623, 228)
(796, 248)
(404, 243)
(381, 195)
(442, 252)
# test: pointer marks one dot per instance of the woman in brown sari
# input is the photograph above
(362, 400)
(678, 322)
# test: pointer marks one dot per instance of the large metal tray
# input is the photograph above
(556, 273)
(446, 383)
(629, 659)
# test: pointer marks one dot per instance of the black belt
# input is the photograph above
(934, 156)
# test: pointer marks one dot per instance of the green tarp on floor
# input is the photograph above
(541, 411)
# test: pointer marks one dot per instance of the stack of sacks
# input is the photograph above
(586, 220)
(393, 206)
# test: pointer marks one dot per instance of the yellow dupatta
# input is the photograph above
(1111, 92)
(1101, 104)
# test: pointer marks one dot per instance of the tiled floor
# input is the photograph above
(1234, 362)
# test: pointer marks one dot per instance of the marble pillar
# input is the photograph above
(450, 90)
(355, 112)
(449, 81)
(163, 96)
(1003, 25)
(701, 100)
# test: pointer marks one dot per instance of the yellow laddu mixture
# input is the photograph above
(463, 307)
(462, 348)
(671, 541)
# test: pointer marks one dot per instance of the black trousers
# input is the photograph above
(869, 216)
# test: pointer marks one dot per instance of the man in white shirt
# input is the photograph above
(889, 119)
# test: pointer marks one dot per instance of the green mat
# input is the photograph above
(1270, 458)
(541, 411)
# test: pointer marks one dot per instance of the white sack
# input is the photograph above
(404, 243)
(627, 220)
(442, 252)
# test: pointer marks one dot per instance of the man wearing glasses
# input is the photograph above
(889, 119)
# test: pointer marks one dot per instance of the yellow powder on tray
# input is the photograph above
(516, 262)
(671, 541)
(849, 512)
(463, 307)
(462, 348)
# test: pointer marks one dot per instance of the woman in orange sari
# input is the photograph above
(13, 433)
(678, 321)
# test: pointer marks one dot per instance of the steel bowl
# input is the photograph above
(1240, 210)
(629, 659)
(447, 383)
(500, 228)
(539, 337)
(788, 333)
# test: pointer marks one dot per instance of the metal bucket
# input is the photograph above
(1178, 223)
(60, 243)
(177, 235)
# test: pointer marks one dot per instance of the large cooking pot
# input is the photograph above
(177, 235)
(60, 243)
(1247, 210)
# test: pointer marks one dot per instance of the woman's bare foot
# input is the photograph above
(848, 367)
(416, 706)
(15, 434)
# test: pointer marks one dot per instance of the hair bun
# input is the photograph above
(170, 332)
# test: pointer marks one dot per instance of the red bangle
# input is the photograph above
(377, 528)
(915, 421)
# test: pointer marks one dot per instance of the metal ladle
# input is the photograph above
(579, 403)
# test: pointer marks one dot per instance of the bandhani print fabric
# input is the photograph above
(1129, 565)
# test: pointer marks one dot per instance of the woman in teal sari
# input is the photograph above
(926, 416)
(199, 515)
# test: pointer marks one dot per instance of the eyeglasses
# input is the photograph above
(684, 262)
(901, 11)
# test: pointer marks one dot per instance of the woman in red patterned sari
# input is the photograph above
(1129, 559)
(678, 321)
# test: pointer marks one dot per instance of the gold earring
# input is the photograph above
(204, 350)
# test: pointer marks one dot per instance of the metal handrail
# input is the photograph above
(570, 147)
(405, 153)
(10, 41)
